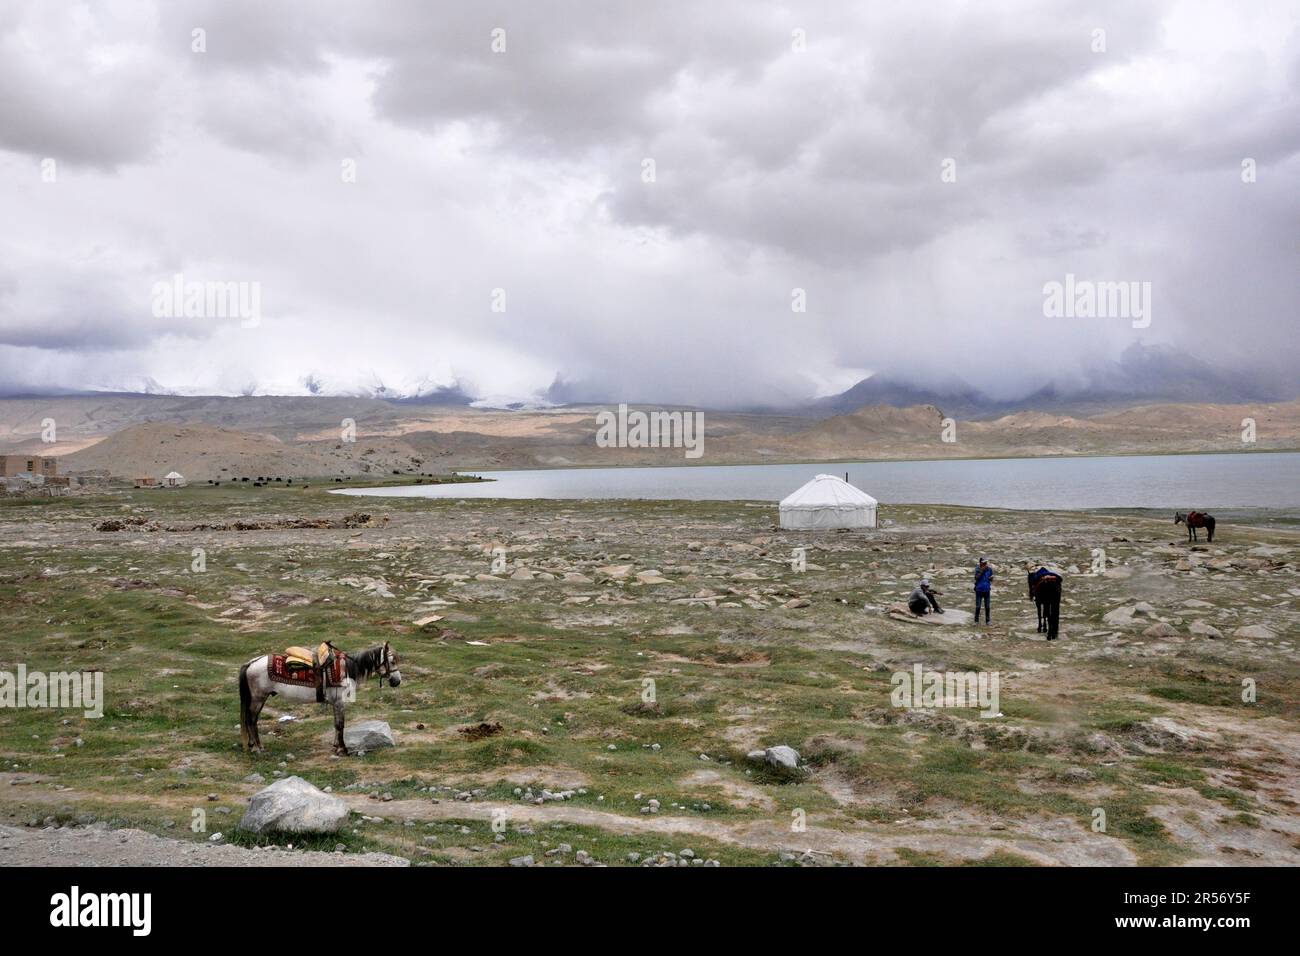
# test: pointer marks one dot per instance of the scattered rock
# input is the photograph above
(1255, 631)
(368, 735)
(1160, 629)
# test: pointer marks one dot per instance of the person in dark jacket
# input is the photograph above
(922, 599)
(983, 588)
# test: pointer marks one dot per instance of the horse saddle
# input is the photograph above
(323, 667)
(1042, 576)
(298, 657)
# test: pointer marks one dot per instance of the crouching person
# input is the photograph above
(922, 599)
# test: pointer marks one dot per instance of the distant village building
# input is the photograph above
(174, 479)
(146, 482)
(22, 466)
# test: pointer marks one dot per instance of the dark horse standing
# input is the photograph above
(1045, 592)
(1194, 520)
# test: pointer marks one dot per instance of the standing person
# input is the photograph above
(922, 599)
(983, 588)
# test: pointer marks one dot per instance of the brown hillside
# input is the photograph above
(204, 452)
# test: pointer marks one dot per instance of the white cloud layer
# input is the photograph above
(775, 169)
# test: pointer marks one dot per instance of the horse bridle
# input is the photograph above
(385, 667)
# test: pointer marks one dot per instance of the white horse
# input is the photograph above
(256, 685)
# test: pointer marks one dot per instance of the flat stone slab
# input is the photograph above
(899, 612)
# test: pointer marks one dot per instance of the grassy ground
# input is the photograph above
(1144, 733)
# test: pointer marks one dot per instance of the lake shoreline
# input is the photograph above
(699, 463)
(1216, 482)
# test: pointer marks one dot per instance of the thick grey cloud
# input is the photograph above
(78, 86)
(778, 166)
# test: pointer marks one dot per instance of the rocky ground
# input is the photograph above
(585, 682)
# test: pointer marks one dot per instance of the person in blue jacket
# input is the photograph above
(983, 588)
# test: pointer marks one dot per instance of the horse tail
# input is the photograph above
(245, 706)
(1209, 527)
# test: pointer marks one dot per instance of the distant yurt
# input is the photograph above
(827, 503)
(173, 479)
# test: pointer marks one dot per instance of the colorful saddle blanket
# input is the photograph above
(284, 669)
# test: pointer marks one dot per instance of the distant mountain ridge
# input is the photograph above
(1146, 374)
(218, 438)
(1142, 373)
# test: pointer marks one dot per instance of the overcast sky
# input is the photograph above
(794, 146)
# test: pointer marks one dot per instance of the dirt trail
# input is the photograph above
(97, 845)
(1046, 842)
(1072, 848)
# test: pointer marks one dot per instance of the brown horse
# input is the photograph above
(1045, 592)
(1194, 520)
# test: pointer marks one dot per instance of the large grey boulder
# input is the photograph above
(787, 758)
(780, 757)
(293, 805)
(368, 735)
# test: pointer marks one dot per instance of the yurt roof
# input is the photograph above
(827, 491)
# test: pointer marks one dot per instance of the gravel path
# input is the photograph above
(97, 845)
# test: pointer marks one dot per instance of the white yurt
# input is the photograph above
(174, 479)
(827, 503)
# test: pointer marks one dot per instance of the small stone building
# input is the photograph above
(16, 466)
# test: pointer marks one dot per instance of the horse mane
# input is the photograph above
(365, 663)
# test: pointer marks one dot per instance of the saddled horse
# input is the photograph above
(1194, 520)
(267, 676)
(1045, 592)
